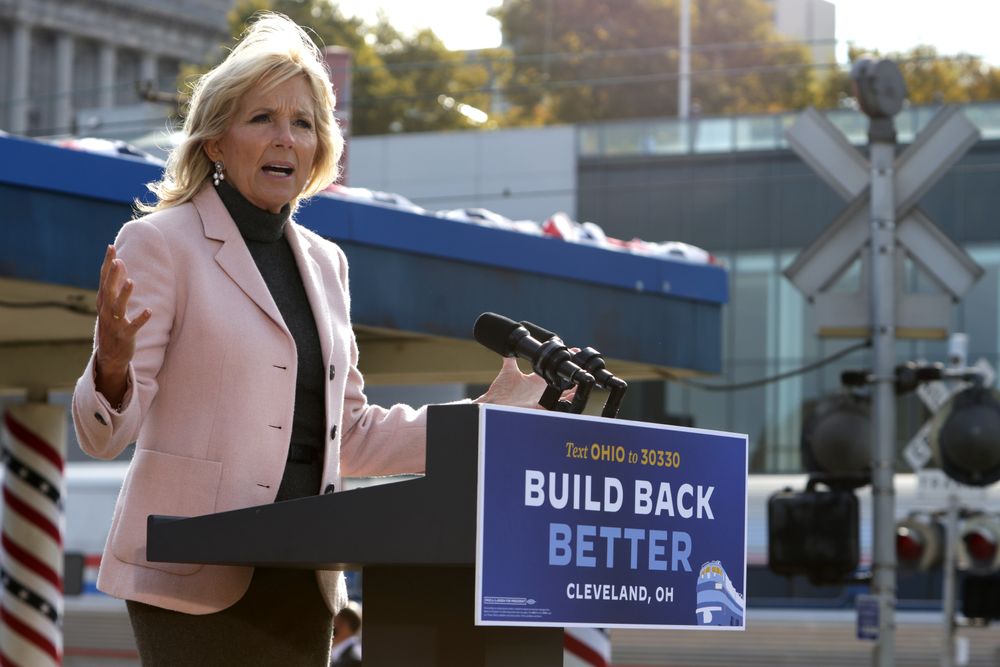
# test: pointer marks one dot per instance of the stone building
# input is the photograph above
(59, 57)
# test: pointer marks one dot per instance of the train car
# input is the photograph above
(719, 603)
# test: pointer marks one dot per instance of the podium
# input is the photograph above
(415, 541)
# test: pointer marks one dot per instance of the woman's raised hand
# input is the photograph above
(115, 331)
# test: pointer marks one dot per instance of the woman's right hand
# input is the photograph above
(115, 332)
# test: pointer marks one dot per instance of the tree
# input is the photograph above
(426, 85)
(400, 83)
(931, 78)
(740, 64)
(591, 59)
(572, 61)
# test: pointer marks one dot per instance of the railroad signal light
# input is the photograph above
(966, 436)
(813, 533)
(979, 546)
(919, 544)
(981, 596)
(836, 441)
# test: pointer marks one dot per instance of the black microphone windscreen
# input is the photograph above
(537, 332)
(493, 332)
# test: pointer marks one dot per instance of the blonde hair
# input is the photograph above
(272, 50)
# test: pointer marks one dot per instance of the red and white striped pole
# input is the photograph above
(31, 538)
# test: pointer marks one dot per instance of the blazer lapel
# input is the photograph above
(233, 256)
(312, 280)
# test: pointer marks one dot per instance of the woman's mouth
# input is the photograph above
(278, 169)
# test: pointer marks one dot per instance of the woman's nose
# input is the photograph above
(283, 134)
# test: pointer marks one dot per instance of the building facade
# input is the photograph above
(60, 57)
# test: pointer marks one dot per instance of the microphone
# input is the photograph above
(587, 358)
(590, 360)
(550, 359)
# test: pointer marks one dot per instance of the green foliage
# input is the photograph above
(572, 61)
(400, 83)
(591, 59)
(934, 79)
(931, 78)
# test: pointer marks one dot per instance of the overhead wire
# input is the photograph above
(752, 384)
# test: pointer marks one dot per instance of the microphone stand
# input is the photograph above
(550, 397)
(550, 356)
(616, 388)
(591, 361)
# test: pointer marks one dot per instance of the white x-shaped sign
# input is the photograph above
(939, 146)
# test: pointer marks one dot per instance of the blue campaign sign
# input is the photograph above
(613, 523)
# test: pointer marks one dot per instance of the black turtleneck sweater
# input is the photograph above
(263, 233)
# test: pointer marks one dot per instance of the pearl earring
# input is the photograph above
(219, 174)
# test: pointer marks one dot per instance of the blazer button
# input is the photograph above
(99, 417)
(333, 372)
(330, 488)
(333, 432)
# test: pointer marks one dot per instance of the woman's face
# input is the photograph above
(269, 147)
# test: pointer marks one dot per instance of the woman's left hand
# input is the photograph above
(514, 388)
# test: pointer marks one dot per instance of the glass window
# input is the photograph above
(758, 133)
(712, 135)
(986, 117)
(906, 126)
(588, 140)
(668, 137)
(785, 122)
(623, 139)
(978, 313)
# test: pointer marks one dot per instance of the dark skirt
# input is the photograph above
(282, 620)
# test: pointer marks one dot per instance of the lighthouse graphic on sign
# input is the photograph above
(718, 601)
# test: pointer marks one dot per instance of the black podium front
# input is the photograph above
(415, 541)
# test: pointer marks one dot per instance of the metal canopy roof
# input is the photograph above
(418, 282)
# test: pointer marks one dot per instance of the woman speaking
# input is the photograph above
(224, 350)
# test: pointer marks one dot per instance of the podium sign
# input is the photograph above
(597, 522)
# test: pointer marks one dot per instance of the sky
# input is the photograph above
(887, 25)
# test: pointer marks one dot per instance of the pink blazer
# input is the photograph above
(212, 390)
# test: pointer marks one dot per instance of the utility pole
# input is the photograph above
(684, 80)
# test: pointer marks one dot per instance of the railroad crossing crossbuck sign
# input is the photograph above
(817, 268)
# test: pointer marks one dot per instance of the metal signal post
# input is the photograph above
(880, 91)
(881, 227)
(883, 306)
